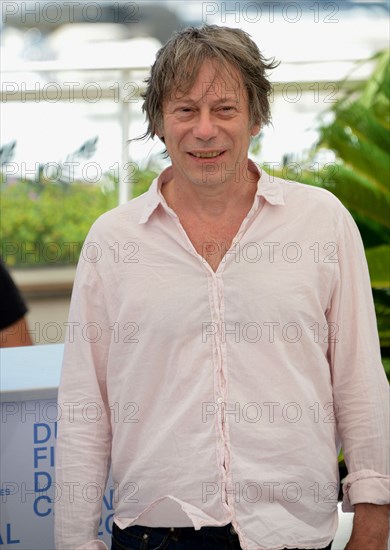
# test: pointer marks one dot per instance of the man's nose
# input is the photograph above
(205, 128)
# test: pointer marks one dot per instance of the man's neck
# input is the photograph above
(211, 203)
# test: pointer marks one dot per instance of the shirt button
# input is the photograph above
(145, 536)
(220, 400)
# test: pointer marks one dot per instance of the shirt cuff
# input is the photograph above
(365, 486)
(93, 545)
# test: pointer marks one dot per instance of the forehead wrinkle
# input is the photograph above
(228, 75)
(226, 95)
(190, 101)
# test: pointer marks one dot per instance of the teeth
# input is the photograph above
(206, 155)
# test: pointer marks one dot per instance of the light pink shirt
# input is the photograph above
(225, 394)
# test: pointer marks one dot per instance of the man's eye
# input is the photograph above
(227, 108)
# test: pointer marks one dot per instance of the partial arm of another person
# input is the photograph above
(16, 335)
(13, 325)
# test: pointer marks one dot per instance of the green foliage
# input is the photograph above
(359, 136)
(386, 366)
(45, 223)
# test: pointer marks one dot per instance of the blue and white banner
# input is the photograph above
(28, 490)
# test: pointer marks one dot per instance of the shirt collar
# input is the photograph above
(268, 187)
(154, 195)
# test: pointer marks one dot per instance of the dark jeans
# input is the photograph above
(176, 538)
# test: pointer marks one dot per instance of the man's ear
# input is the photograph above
(160, 134)
(159, 128)
(255, 129)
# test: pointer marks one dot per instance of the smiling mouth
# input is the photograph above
(211, 154)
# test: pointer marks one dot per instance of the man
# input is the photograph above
(231, 341)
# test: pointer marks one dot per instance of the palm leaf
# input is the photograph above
(358, 153)
(355, 192)
(378, 259)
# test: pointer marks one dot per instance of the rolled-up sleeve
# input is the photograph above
(84, 429)
(361, 392)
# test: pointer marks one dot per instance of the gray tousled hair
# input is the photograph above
(178, 62)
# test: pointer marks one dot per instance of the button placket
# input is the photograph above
(217, 359)
(222, 383)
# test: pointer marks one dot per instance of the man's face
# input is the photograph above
(207, 131)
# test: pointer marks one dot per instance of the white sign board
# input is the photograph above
(28, 489)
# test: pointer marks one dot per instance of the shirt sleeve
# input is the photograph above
(361, 392)
(84, 429)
